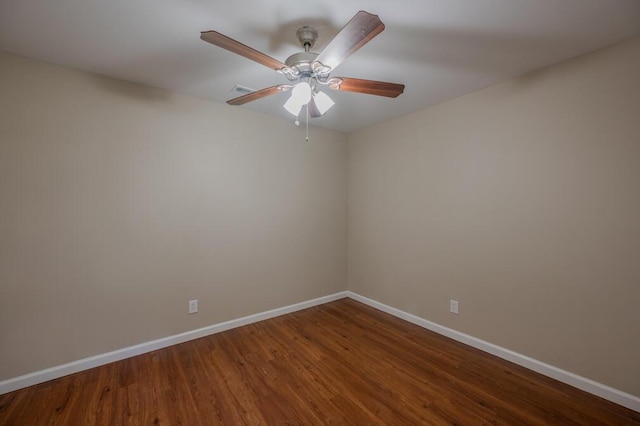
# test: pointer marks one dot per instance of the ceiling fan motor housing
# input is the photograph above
(301, 62)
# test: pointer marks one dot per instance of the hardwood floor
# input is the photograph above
(341, 363)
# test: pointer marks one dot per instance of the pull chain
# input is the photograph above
(307, 122)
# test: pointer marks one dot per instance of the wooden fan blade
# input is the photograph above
(371, 87)
(234, 46)
(258, 94)
(358, 32)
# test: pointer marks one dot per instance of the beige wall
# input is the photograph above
(119, 203)
(522, 201)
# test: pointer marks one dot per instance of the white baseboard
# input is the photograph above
(42, 376)
(595, 388)
(587, 385)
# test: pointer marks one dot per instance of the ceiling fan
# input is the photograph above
(307, 71)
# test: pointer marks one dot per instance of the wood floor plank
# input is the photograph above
(342, 363)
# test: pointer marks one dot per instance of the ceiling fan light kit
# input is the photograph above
(308, 72)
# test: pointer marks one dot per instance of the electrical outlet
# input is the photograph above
(193, 306)
(453, 306)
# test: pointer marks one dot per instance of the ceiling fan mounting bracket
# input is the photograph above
(307, 37)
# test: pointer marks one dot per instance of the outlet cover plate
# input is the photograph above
(193, 306)
(453, 306)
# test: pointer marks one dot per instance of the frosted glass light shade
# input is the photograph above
(323, 102)
(292, 106)
(300, 95)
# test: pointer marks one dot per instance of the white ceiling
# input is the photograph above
(438, 49)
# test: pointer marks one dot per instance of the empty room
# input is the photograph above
(329, 212)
